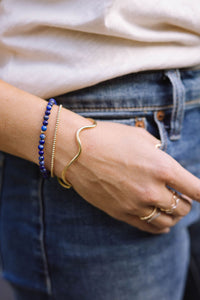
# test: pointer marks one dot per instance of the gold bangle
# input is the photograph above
(54, 141)
(63, 181)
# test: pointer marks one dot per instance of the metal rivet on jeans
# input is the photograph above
(139, 123)
(160, 115)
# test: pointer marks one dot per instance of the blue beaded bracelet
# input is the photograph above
(45, 173)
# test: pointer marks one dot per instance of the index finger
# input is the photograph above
(183, 181)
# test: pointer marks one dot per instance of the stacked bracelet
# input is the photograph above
(54, 140)
(63, 181)
(45, 173)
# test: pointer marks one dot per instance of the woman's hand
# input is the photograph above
(121, 172)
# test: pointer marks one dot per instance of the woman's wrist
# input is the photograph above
(21, 117)
(66, 146)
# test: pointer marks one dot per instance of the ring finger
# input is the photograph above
(169, 214)
(160, 219)
(179, 205)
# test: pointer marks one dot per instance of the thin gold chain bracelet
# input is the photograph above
(54, 140)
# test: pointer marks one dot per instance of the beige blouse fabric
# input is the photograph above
(49, 47)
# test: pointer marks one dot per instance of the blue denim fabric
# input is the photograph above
(55, 245)
(192, 290)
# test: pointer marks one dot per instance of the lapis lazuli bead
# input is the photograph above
(43, 170)
(49, 107)
(44, 128)
(45, 123)
(52, 100)
(40, 147)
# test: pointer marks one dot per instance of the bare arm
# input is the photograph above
(21, 116)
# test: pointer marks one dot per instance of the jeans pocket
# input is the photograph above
(153, 121)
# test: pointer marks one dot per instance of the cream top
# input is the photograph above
(49, 47)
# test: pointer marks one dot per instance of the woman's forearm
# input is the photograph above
(21, 117)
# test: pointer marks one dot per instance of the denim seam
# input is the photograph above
(180, 106)
(148, 108)
(178, 103)
(1, 192)
(42, 238)
(182, 101)
(175, 103)
(178, 100)
(175, 108)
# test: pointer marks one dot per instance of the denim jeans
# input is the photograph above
(55, 245)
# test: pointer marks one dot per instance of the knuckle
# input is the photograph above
(150, 197)
(164, 170)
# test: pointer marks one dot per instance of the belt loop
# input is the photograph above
(178, 103)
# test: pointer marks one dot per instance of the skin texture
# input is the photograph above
(120, 171)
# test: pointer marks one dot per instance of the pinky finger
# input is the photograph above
(143, 225)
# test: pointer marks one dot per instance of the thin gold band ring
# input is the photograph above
(175, 201)
(148, 217)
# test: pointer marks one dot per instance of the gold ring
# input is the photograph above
(155, 216)
(158, 145)
(175, 201)
(148, 217)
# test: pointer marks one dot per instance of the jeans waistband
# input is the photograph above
(141, 92)
(136, 91)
